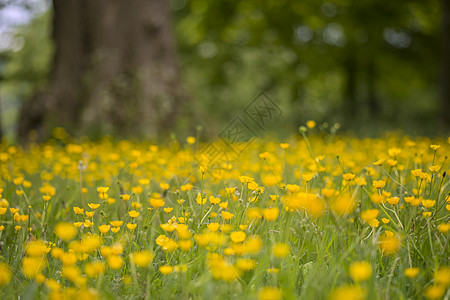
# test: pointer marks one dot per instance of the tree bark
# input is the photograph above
(445, 65)
(114, 71)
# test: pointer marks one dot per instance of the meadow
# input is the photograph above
(315, 216)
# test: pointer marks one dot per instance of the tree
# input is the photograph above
(114, 71)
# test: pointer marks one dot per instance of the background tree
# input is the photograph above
(369, 65)
(114, 70)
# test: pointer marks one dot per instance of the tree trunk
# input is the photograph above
(445, 65)
(114, 71)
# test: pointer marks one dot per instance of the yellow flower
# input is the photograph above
(349, 176)
(185, 245)
(213, 226)
(284, 146)
(32, 266)
(442, 276)
(5, 274)
(348, 292)
(343, 205)
(65, 231)
(166, 269)
(389, 244)
(428, 203)
(18, 180)
(102, 189)
(94, 269)
(360, 271)
(393, 152)
(393, 200)
(292, 188)
(379, 162)
(270, 293)
(116, 223)
(115, 229)
(435, 169)
(36, 248)
(164, 186)
(214, 200)
(186, 187)
(69, 258)
(311, 124)
(253, 186)
(434, 291)
(144, 181)
(3, 210)
(167, 227)
(373, 223)
(156, 202)
(379, 184)
(131, 226)
(369, 214)
(385, 220)
(90, 214)
(190, 140)
(125, 197)
(87, 223)
(115, 261)
(274, 197)
(78, 210)
(270, 214)
(226, 215)
(392, 162)
(245, 179)
(411, 272)
(238, 236)
(104, 228)
(200, 200)
(93, 206)
(168, 209)
(180, 269)
(360, 181)
(435, 147)
(142, 259)
(416, 172)
(254, 213)
(264, 155)
(444, 227)
(308, 177)
(133, 214)
(280, 250)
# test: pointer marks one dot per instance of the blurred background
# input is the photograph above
(146, 68)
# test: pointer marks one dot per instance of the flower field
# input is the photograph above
(315, 216)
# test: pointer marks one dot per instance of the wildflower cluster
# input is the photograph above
(310, 217)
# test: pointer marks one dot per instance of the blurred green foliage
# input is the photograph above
(370, 65)
(25, 71)
(304, 54)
